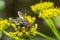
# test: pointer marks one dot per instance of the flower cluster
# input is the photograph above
(49, 13)
(20, 32)
(30, 19)
(42, 6)
(45, 9)
(4, 23)
(23, 32)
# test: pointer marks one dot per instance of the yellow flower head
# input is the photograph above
(49, 13)
(42, 6)
(30, 19)
(34, 29)
(1, 22)
(5, 21)
(20, 33)
(27, 33)
(4, 24)
(12, 34)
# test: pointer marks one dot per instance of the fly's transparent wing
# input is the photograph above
(20, 15)
(22, 19)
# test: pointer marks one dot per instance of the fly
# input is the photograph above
(23, 21)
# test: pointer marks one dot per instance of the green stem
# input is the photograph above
(44, 36)
(55, 28)
(0, 34)
(6, 33)
(48, 22)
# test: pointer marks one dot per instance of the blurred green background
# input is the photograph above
(11, 8)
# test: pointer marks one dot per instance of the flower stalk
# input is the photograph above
(52, 27)
(55, 28)
(45, 36)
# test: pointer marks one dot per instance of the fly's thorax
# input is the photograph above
(24, 22)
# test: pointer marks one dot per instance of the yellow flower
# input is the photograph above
(23, 29)
(42, 6)
(12, 24)
(34, 28)
(27, 33)
(16, 38)
(1, 27)
(11, 34)
(5, 21)
(15, 33)
(30, 19)
(46, 14)
(55, 14)
(1, 22)
(49, 13)
(33, 19)
(33, 8)
(4, 24)
(20, 33)
(36, 25)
